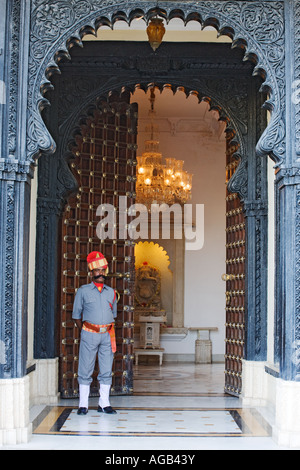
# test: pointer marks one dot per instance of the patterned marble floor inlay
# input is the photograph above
(173, 400)
(151, 422)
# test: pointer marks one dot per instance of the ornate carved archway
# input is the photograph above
(37, 34)
(257, 27)
(68, 361)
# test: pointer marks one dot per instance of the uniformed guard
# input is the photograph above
(94, 312)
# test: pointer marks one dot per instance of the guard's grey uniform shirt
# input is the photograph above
(99, 308)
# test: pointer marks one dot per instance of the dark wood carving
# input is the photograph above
(235, 281)
(104, 167)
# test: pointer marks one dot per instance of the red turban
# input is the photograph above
(96, 260)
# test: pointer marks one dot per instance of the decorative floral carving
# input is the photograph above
(9, 276)
(259, 25)
(263, 21)
(296, 35)
(297, 288)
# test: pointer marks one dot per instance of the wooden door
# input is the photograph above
(235, 282)
(104, 167)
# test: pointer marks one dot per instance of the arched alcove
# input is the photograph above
(154, 254)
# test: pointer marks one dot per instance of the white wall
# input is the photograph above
(190, 132)
(204, 289)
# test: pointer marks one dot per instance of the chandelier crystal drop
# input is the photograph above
(160, 180)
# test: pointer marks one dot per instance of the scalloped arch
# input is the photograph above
(151, 253)
(257, 27)
(126, 90)
(84, 114)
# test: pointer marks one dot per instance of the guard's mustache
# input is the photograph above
(100, 275)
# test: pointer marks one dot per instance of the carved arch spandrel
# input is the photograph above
(257, 27)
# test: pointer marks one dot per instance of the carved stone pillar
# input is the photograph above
(14, 233)
(287, 186)
(256, 218)
(15, 177)
(15, 426)
(253, 192)
(15, 174)
(288, 273)
(45, 328)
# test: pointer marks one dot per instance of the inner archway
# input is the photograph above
(87, 137)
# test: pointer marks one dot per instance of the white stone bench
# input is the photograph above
(149, 352)
(203, 344)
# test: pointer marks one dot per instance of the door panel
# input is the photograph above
(104, 167)
(235, 282)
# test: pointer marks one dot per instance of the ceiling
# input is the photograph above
(178, 113)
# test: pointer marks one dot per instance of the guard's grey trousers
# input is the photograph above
(92, 344)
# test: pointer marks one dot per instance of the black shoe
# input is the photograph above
(82, 411)
(107, 409)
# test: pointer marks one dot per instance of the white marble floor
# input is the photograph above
(175, 407)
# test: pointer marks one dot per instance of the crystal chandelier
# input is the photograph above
(160, 180)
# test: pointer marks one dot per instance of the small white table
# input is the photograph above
(203, 345)
(149, 352)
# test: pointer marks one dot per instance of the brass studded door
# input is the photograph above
(235, 283)
(104, 167)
